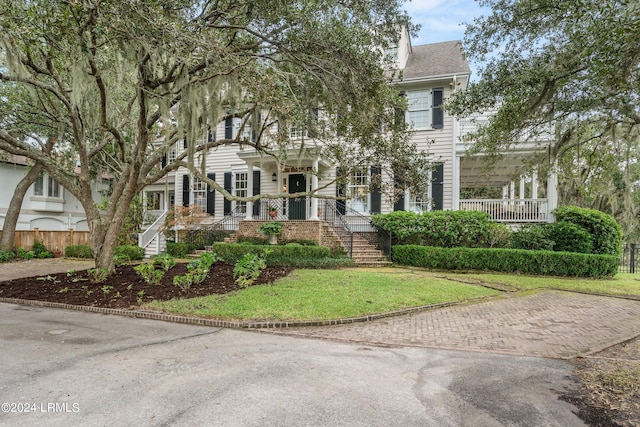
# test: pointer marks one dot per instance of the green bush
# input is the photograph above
(129, 251)
(531, 237)
(24, 254)
(285, 256)
(508, 260)
(248, 269)
(40, 251)
(272, 227)
(78, 251)
(569, 237)
(6, 256)
(499, 235)
(604, 229)
(252, 240)
(164, 261)
(149, 273)
(438, 228)
(178, 250)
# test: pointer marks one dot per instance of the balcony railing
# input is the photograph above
(510, 210)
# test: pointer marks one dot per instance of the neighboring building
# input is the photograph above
(430, 73)
(46, 205)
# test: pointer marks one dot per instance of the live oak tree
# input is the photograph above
(565, 66)
(122, 81)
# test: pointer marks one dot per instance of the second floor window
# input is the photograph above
(425, 110)
(46, 186)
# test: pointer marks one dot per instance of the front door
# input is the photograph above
(297, 206)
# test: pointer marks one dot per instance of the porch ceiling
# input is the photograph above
(294, 159)
(476, 172)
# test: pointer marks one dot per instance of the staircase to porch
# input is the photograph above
(338, 227)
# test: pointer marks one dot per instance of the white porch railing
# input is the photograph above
(510, 210)
(147, 236)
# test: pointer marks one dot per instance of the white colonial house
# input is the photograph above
(46, 205)
(430, 73)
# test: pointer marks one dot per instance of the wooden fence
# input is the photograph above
(54, 241)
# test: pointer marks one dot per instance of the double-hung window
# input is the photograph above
(200, 194)
(425, 110)
(241, 188)
(358, 190)
(46, 186)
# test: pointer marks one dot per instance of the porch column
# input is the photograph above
(249, 213)
(314, 186)
(521, 188)
(455, 186)
(505, 191)
(512, 190)
(534, 183)
(552, 190)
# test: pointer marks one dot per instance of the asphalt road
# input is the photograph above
(73, 368)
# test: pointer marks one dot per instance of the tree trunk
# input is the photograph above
(13, 212)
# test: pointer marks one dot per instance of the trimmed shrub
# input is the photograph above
(508, 260)
(605, 231)
(437, 228)
(285, 256)
(78, 251)
(499, 235)
(129, 251)
(569, 237)
(531, 237)
(6, 256)
(40, 251)
(178, 250)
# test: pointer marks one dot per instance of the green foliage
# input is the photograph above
(438, 228)
(149, 273)
(78, 251)
(97, 274)
(499, 235)
(286, 256)
(197, 271)
(178, 250)
(130, 251)
(24, 254)
(248, 269)
(604, 229)
(272, 227)
(531, 237)
(165, 261)
(40, 251)
(508, 260)
(6, 256)
(252, 240)
(569, 237)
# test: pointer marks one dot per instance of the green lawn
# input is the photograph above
(623, 284)
(328, 294)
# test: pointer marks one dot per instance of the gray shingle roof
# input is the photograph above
(436, 59)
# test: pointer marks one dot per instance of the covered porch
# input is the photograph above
(510, 191)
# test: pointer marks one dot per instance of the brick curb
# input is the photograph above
(154, 315)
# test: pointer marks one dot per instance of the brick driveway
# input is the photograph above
(548, 323)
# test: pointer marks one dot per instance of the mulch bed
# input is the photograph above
(126, 289)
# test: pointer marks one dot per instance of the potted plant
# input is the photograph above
(273, 211)
(271, 229)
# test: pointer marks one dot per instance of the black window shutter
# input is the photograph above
(437, 187)
(341, 190)
(257, 125)
(185, 190)
(399, 204)
(210, 137)
(163, 162)
(256, 191)
(376, 195)
(436, 111)
(184, 143)
(211, 195)
(228, 128)
(228, 176)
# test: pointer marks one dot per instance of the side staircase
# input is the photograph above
(152, 239)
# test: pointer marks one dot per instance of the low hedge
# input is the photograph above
(78, 251)
(286, 256)
(178, 250)
(132, 252)
(507, 260)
